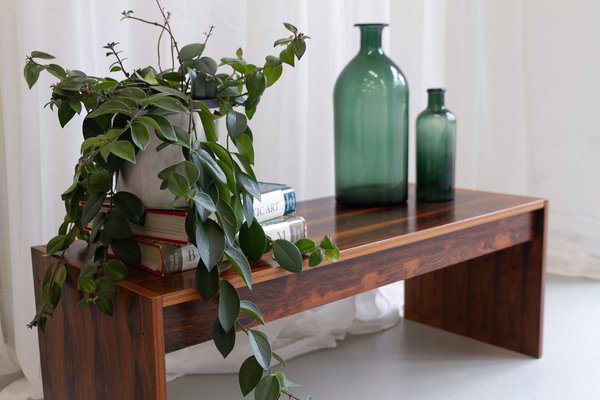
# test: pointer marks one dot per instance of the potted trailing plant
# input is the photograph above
(217, 182)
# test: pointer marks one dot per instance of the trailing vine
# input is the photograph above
(217, 182)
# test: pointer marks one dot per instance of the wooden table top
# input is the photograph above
(356, 231)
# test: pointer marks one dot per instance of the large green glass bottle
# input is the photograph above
(436, 144)
(371, 127)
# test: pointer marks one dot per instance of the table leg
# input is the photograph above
(88, 355)
(496, 298)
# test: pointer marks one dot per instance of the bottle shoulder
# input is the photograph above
(443, 113)
(372, 70)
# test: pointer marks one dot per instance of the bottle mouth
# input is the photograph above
(373, 24)
(436, 90)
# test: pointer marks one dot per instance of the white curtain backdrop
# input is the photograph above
(521, 78)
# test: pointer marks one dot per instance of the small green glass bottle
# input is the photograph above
(371, 127)
(436, 147)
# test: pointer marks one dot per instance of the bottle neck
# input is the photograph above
(370, 38)
(436, 99)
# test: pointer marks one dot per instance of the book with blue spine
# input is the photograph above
(276, 200)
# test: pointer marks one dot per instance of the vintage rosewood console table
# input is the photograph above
(474, 266)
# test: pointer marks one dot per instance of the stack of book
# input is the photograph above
(164, 243)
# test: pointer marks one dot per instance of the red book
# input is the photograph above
(165, 225)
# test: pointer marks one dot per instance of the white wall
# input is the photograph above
(562, 66)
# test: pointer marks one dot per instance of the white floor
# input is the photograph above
(413, 361)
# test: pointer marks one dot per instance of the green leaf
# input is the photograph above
(123, 149)
(71, 83)
(206, 65)
(162, 127)
(261, 348)
(55, 244)
(253, 240)
(100, 181)
(273, 61)
(287, 255)
(110, 107)
(88, 272)
(291, 28)
(57, 71)
(250, 374)
(252, 310)
(65, 114)
(240, 264)
(191, 51)
(61, 275)
(284, 382)
(235, 63)
(280, 359)
(326, 243)
(305, 245)
(248, 209)
(267, 389)
(210, 242)
(169, 104)
(150, 78)
(75, 105)
(299, 46)
(316, 257)
(130, 205)
(227, 219)
(231, 183)
(250, 111)
(256, 84)
(55, 293)
(105, 286)
(115, 270)
(245, 147)
(91, 207)
(31, 72)
(116, 225)
(205, 201)
(229, 305)
(105, 306)
(250, 185)
(127, 250)
(236, 123)
(238, 210)
(41, 54)
(224, 341)
(207, 282)
(272, 73)
(178, 184)
(97, 224)
(140, 135)
(208, 162)
(106, 85)
(173, 92)
(332, 255)
(86, 285)
(287, 55)
(208, 124)
(220, 152)
(283, 41)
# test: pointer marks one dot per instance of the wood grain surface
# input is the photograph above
(473, 266)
